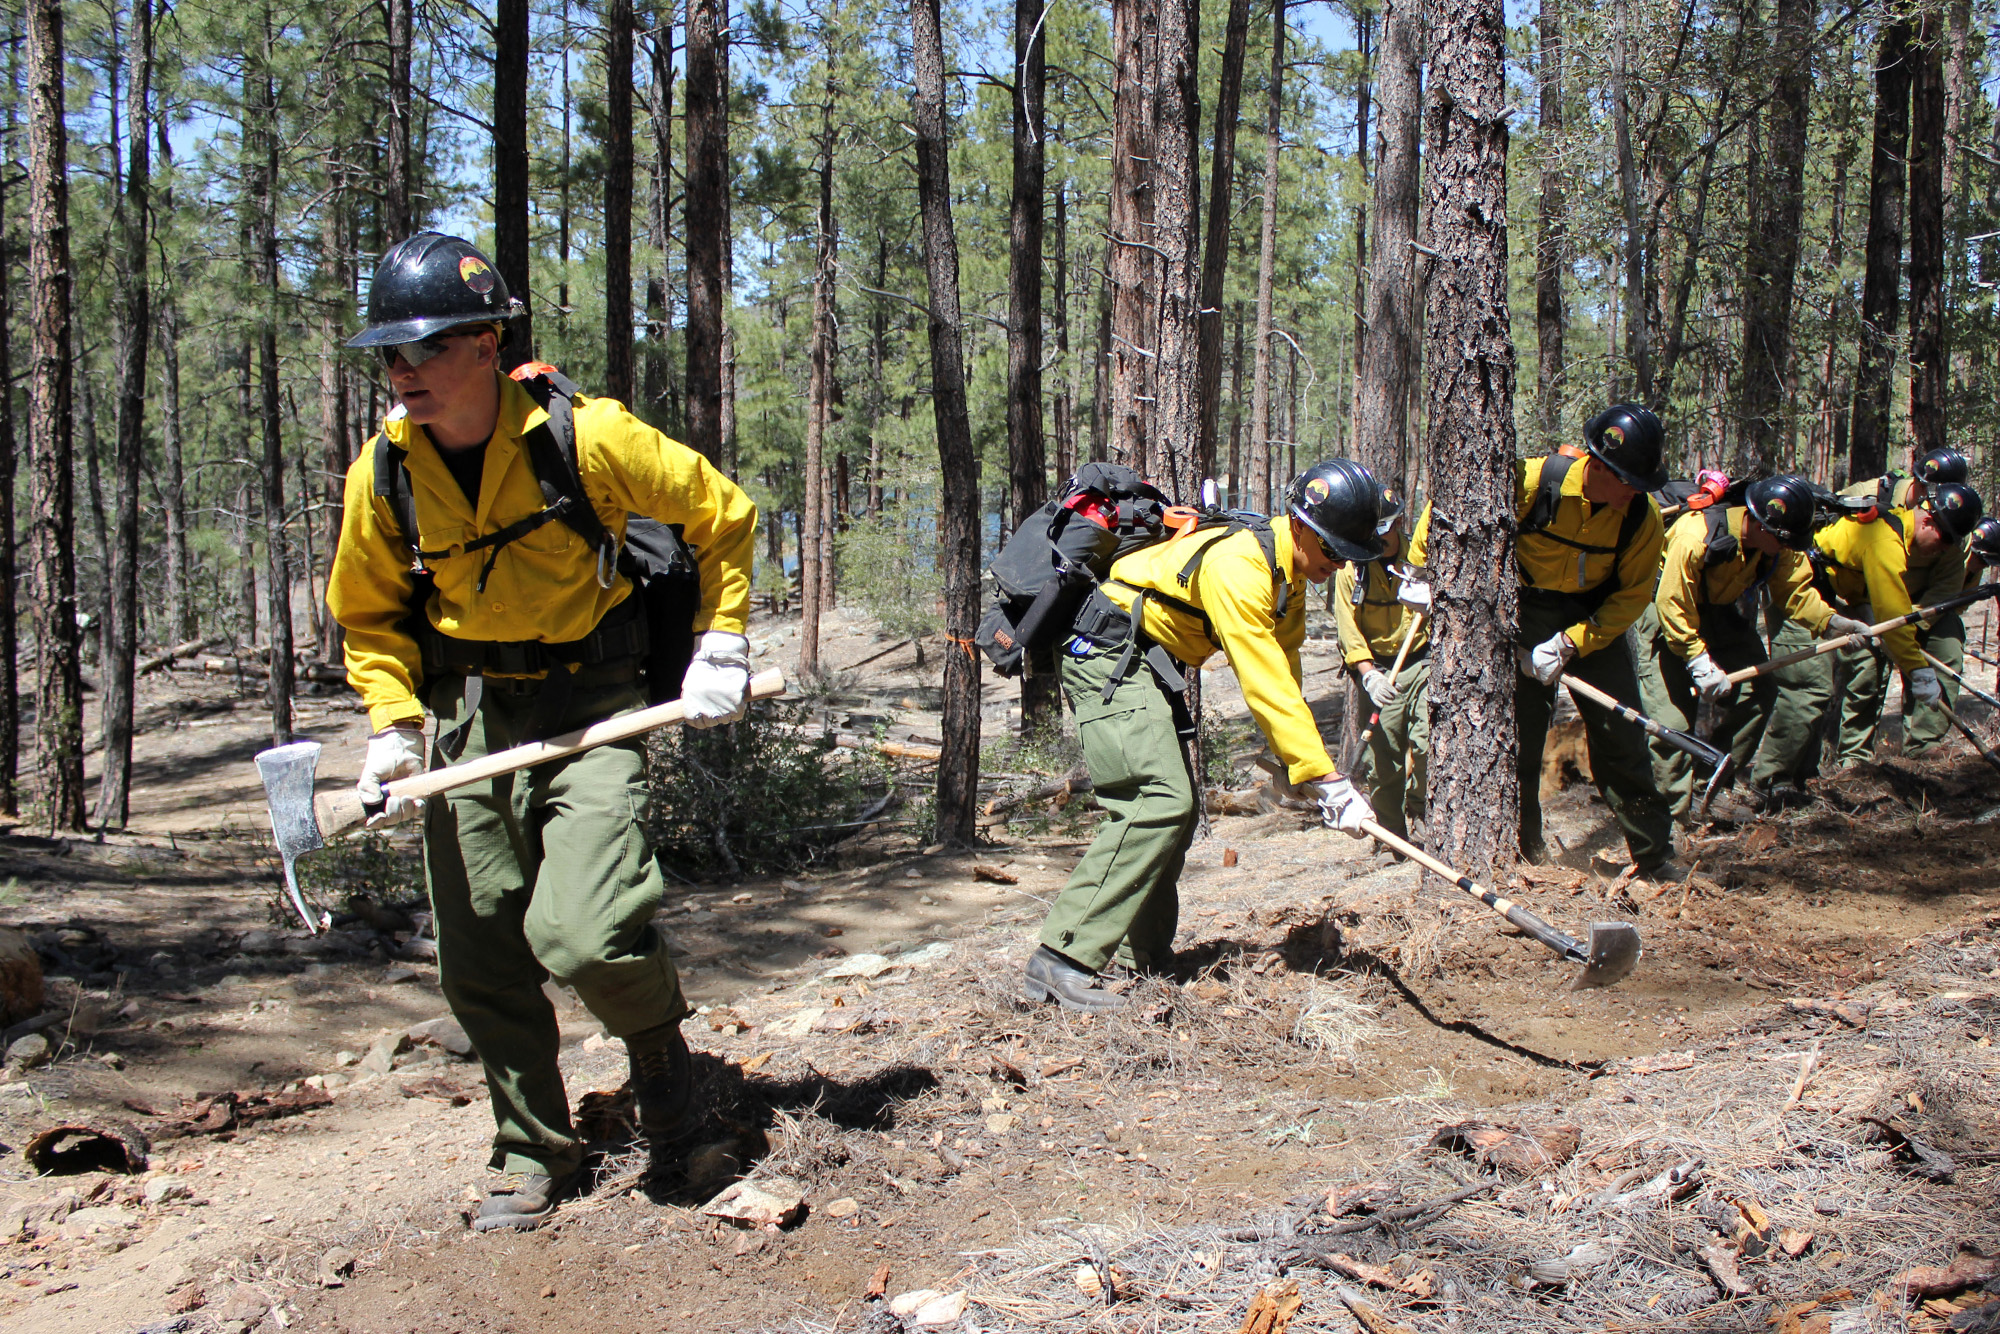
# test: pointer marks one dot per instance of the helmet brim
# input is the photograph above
(409, 331)
(1647, 482)
(1342, 548)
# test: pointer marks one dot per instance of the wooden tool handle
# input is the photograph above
(1861, 637)
(342, 810)
(1507, 908)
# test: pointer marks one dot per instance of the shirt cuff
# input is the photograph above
(384, 716)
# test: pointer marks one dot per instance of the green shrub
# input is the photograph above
(888, 561)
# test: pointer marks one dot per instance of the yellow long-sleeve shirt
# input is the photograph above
(1932, 581)
(1548, 564)
(1235, 590)
(1688, 581)
(1866, 564)
(1373, 631)
(544, 586)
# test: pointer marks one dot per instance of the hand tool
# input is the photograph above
(1959, 677)
(302, 821)
(1614, 947)
(1721, 761)
(1860, 638)
(1375, 716)
(1968, 734)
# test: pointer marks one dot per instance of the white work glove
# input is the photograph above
(1545, 662)
(394, 752)
(1709, 679)
(1415, 594)
(1842, 626)
(1923, 686)
(1340, 805)
(716, 688)
(1381, 689)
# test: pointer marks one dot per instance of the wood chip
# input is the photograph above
(1969, 1268)
(1721, 1262)
(1419, 1284)
(1522, 1150)
(1367, 1316)
(1272, 1309)
(994, 874)
(1660, 1064)
(878, 1284)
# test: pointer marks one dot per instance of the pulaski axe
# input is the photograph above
(302, 821)
(1721, 761)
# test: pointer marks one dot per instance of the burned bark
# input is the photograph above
(1868, 442)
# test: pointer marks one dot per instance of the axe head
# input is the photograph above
(1614, 953)
(288, 773)
(1717, 782)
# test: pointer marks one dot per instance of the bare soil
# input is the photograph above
(1328, 1014)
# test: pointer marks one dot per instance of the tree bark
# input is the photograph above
(1260, 489)
(707, 176)
(1067, 385)
(957, 806)
(337, 277)
(58, 642)
(173, 476)
(1134, 269)
(618, 376)
(122, 633)
(1215, 245)
(1474, 805)
(1638, 344)
(654, 389)
(510, 171)
(1868, 444)
(819, 407)
(1389, 355)
(1928, 354)
(1552, 244)
(10, 679)
(1171, 446)
(1364, 93)
(1773, 244)
(1027, 454)
(277, 554)
(398, 191)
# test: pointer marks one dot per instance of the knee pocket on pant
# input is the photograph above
(1132, 748)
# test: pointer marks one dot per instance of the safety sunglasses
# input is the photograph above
(419, 352)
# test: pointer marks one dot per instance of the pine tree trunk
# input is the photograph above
(1364, 92)
(338, 280)
(398, 191)
(654, 388)
(173, 475)
(707, 176)
(10, 678)
(1215, 245)
(122, 611)
(1772, 257)
(618, 377)
(1638, 343)
(1868, 444)
(1134, 272)
(1236, 491)
(277, 554)
(1027, 452)
(958, 518)
(1171, 451)
(1552, 244)
(1474, 803)
(819, 409)
(1100, 384)
(1389, 356)
(1928, 354)
(58, 646)
(1259, 491)
(1067, 386)
(510, 170)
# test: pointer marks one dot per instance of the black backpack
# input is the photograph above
(1058, 555)
(656, 623)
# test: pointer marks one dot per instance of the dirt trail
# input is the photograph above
(1327, 1017)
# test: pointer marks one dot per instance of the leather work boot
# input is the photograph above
(662, 1082)
(1781, 796)
(1050, 976)
(524, 1200)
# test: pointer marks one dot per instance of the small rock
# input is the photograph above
(335, 1266)
(999, 1123)
(314, 1081)
(423, 949)
(84, 1223)
(163, 1189)
(335, 1081)
(927, 1306)
(400, 972)
(112, 1059)
(742, 898)
(29, 1052)
(712, 1165)
(773, 1200)
(381, 1057)
(233, 980)
(343, 1059)
(926, 900)
(845, 1207)
(443, 1031)
(261, 942)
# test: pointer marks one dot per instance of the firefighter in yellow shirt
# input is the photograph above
(1860, 567)
(503, 619)
(1698, 629)
(1238, 590)
(1373, 608)
(1588, 551)
(1929, 581)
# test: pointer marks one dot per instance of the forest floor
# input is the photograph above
(1358, 1093)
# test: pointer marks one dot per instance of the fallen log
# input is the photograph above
(161, 659)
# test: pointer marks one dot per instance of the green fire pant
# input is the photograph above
(1618, 759)
(1670, 699)
(539, 874)
(1924, 725)
(1123, 899)
(1405, 730)
(1790, 753)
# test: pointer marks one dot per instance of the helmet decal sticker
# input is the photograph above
(1614, 435)
(1317, 490)
(475, 273)
(1776, 505)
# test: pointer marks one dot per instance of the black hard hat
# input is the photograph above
(428, 284)
(1392, 510)
(1341, 502)
(1956, 508)
(1943, 465)
(1785, 505)
(1628, 439)
(1986, 539)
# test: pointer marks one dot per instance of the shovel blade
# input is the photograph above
(288, 773)
(1614, 953)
